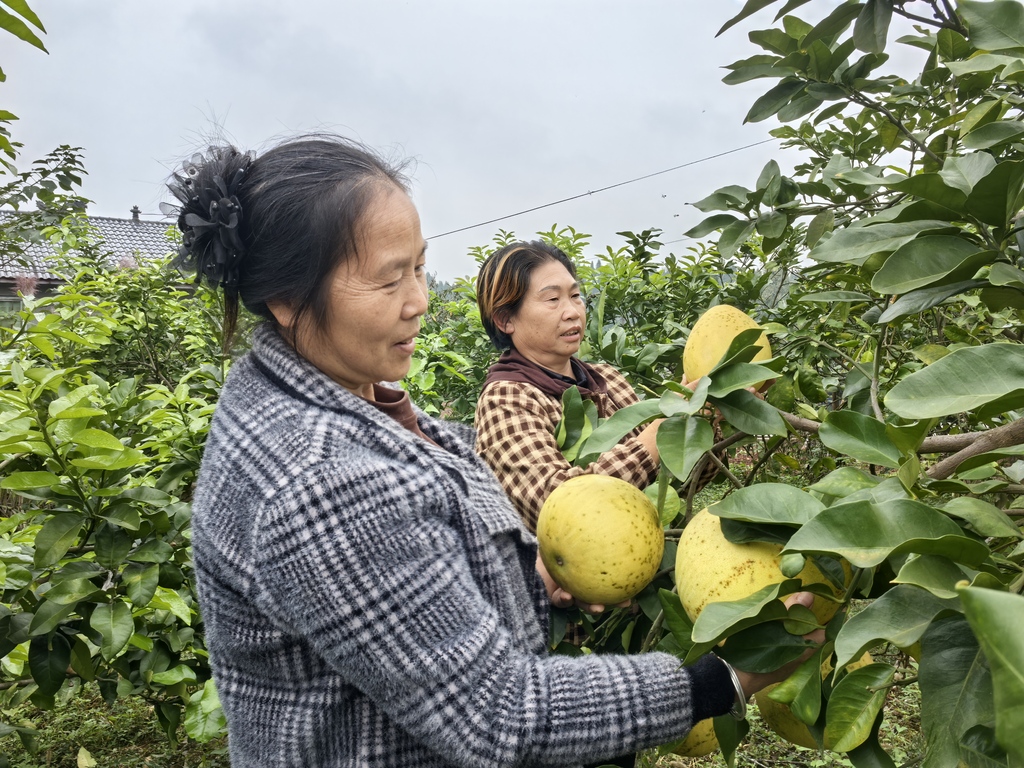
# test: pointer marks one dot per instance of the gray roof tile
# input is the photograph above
(121, 238)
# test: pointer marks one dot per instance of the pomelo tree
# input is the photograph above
(899, 353)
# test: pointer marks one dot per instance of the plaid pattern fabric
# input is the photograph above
(370, 599)
(515, 425)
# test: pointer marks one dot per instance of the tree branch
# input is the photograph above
(864, 101)
(1008, 434)
(932, 444)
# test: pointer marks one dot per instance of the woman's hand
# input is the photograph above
(753, 682)
(562, 599)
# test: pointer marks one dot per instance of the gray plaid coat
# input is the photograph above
(370, 599)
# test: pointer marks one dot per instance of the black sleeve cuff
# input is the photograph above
(713, 691)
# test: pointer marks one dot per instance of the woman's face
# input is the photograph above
(548, 327)
(376, 300)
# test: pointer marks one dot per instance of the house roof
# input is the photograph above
(121, 238)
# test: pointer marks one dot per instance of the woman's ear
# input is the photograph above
(283, 314)
(504, 323)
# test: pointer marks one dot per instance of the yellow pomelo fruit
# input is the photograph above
(710, 568)
(700, 741)
(711, 336)
(600, 538)
(780, 718)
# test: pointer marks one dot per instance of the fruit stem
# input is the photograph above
(654, 634)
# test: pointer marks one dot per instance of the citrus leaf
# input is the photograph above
(996, 618)
(927, 260)
(963, 380)
(986, 519)
(867, 533)
(56, 537)
(860, 437)
(854, 704)
(48, 660)
(856, 244)
(204, 717)
(682, 441)
(769, 503)
(749, 413)
(956, 687)
(610, 432)
(114, 623)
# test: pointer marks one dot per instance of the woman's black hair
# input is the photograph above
(271, 229)
(504, 280)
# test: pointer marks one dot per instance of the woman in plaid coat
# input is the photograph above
(369, 596)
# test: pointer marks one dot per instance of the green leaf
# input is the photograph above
(738, 376)
(966, 171)
(81, 661)
(97, 438)
(610, 432)
(860, 437)
(763, 648)
(204, 717)
(872, 27)
(23, 481)
(21, 8)
(682, 441)
(833, 24)
(938, 575)
(979, 748)
(993, 134)
(1005, 274)
(995, 26)
(774, 100)
(674, 404)
(733, 236)
(48, 660)
(854, 704)
(114, 623)
(835, 296)
(867, 533)
(998, 197)
(844, 481)
(856, 244)
(956, 687)
(775, 503)
(986, 519)
(749, 413)
(141, 582)
(711, 224)
(717, 620)
(801, 691)
(923, 299)
(996, 618)
(932, 187)
(772, 224)
(71, 591)
(169, 600)
(112, 545)
(750, 7)
(676, 620)
(152, 551)
(179, 674)
(56, 537)
(927, 260)
(963, 380)
(18, 28)
(48, 617)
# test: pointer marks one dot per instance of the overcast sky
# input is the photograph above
(503, 105)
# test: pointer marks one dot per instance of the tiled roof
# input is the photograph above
(121, 238)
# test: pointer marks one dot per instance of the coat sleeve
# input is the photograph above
(366, 565)
(515, 436)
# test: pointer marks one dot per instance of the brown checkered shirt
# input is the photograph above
(515, 435)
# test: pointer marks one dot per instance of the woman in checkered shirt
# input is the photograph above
(532, 309)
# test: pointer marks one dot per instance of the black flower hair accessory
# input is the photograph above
(210, 215)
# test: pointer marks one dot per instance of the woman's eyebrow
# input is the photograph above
(572, 287)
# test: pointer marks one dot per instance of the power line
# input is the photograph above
(602, 189)
(582, 194)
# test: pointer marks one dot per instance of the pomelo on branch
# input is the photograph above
(780, 718)
(600, 538)
(711, 336)
(710, 568)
